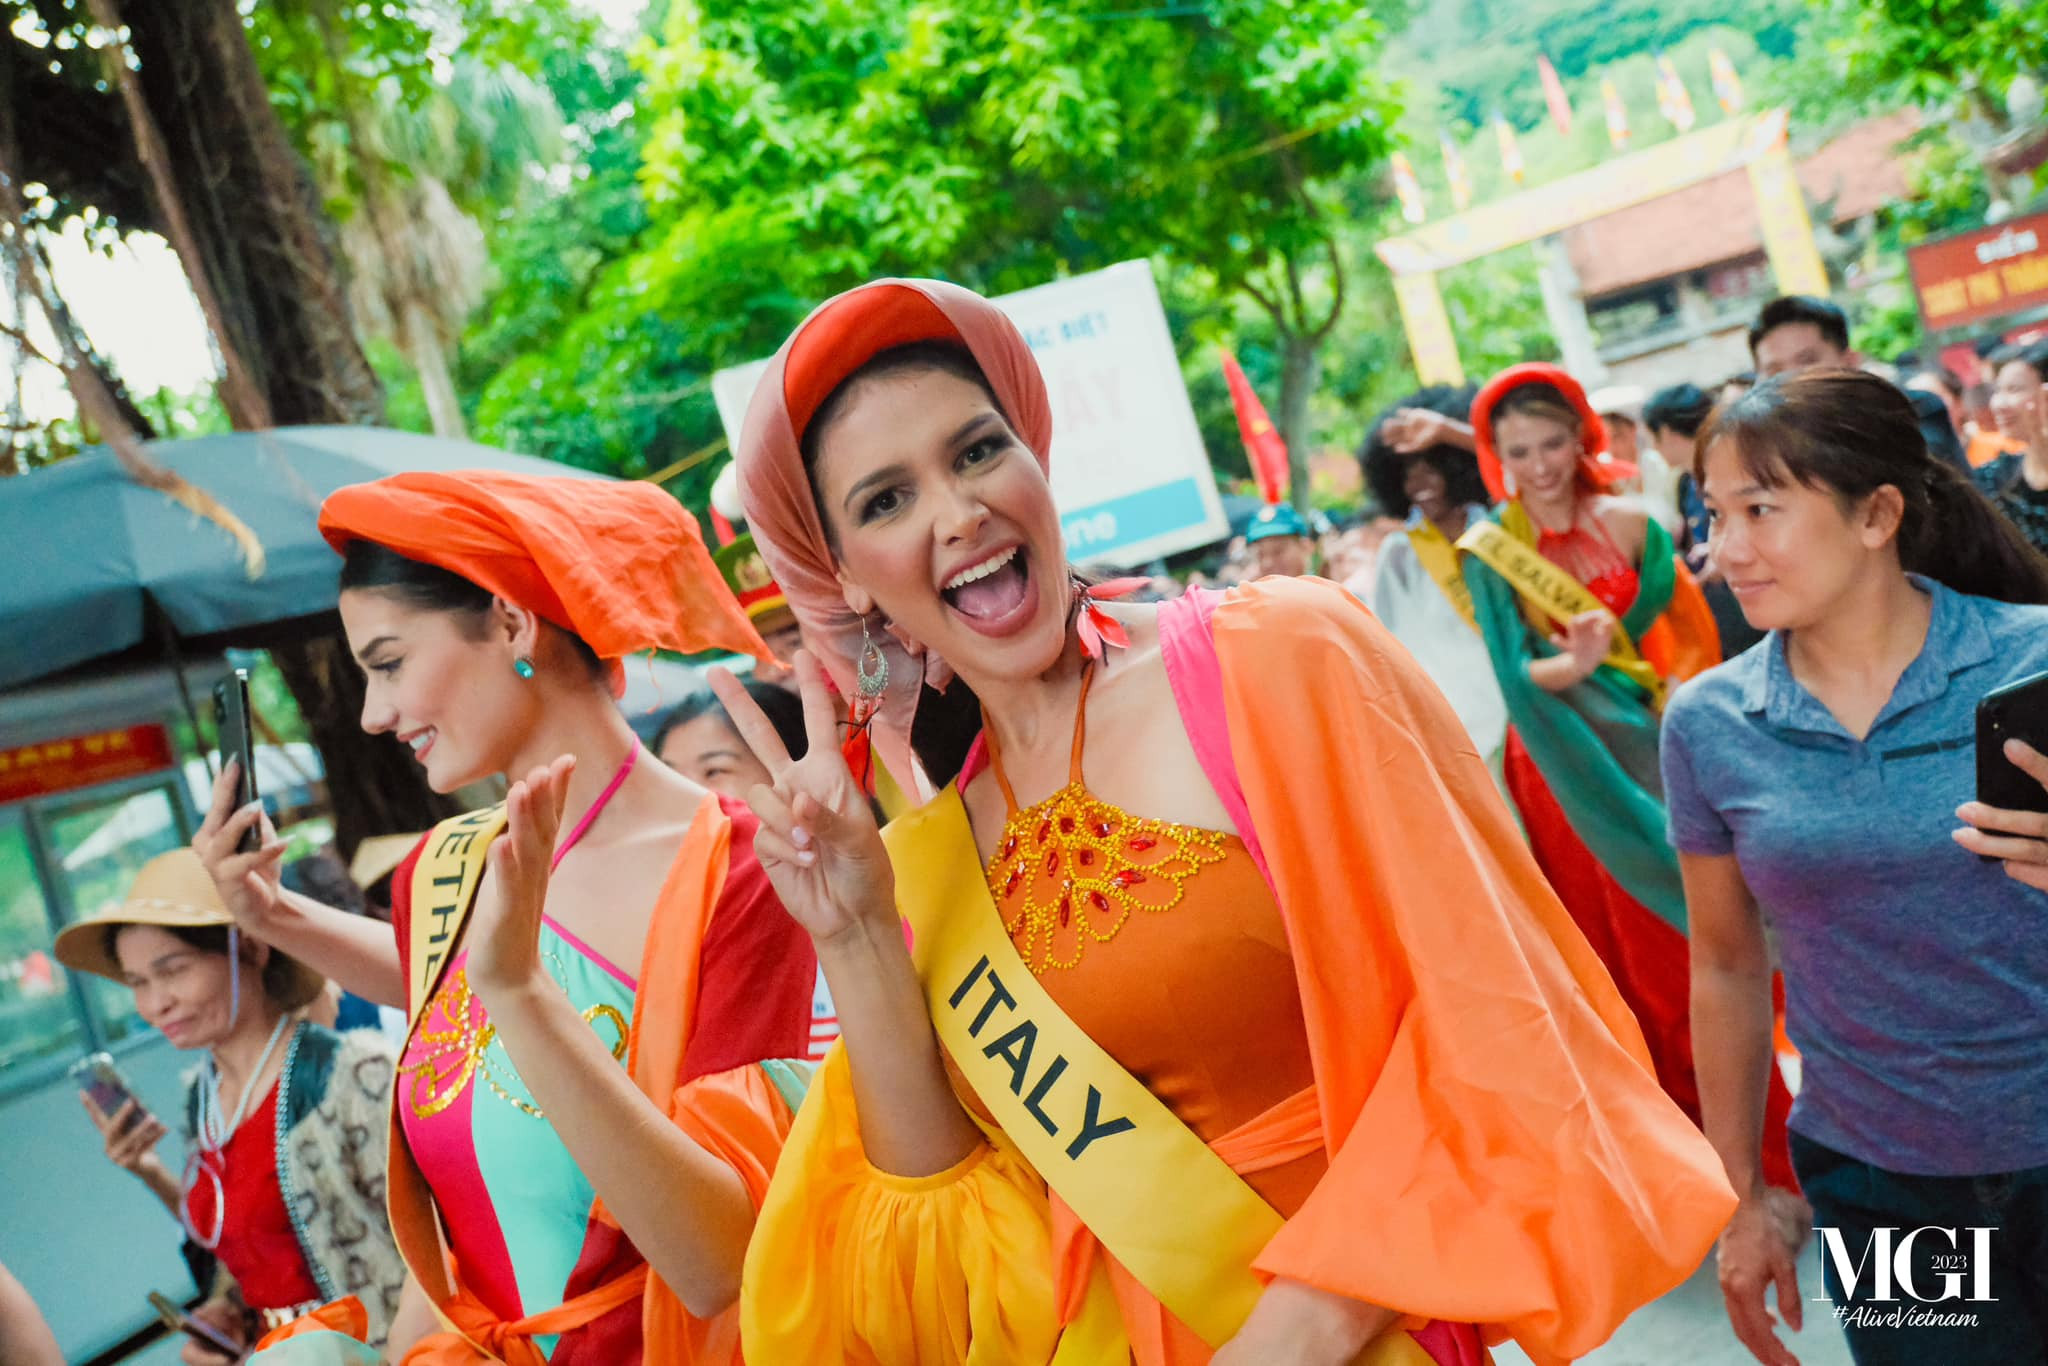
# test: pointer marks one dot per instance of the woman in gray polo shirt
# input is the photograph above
(1813, 785)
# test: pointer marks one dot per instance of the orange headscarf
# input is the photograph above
(1595, 469)
(841, 336)
(620, 564)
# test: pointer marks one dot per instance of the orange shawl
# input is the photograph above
(1486, 1098)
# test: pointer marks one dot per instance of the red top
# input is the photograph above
(1593, 558)
(257, 1243)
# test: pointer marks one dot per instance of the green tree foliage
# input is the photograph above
(800, 149)
(1932, 51)
(410, 141)
(1482, 53)
(1458, 81)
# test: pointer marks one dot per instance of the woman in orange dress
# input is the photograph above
(1214, 1011)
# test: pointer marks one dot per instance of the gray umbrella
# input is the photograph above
(83, 547)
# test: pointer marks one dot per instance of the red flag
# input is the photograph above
(1263, 444)
(1554, 96)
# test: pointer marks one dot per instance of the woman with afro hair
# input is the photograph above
(1419, 471)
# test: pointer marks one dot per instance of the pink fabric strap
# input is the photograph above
(974, 763)
(1188, 647)
(610, 790)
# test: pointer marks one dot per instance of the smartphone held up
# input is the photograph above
(232, 723)
(96, 1075)
(2017, 711)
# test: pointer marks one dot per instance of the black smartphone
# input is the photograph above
(2017, 711)
(238, 744)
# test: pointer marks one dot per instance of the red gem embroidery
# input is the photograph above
(1043, 883)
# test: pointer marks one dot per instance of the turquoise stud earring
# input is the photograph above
(523, 667)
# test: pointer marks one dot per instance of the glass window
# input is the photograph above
(98, 849)
(36, 1016)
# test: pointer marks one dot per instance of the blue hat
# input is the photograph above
(1276, 519)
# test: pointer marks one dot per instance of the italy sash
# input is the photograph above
(1170, 1210)
(1553, 594)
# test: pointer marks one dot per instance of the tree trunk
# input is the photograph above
(1298, 373)
(238, 395)
(267, 251)
(265, 245)
(430, 359)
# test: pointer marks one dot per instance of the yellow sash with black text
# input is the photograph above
(444, 885)
(1434, 551)
(1549, 594)
(1156, 1196)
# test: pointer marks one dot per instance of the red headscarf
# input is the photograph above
(1595, 470)
(621, 564)
(841, 336)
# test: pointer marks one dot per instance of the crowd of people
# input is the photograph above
(1026, 966)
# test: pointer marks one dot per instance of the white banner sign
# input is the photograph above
(1128, 469)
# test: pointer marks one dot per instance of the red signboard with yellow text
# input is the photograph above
(1986, 273)
(82, 761)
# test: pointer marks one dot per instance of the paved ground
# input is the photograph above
(1688, 1327)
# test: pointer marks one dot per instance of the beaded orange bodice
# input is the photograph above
(1196, 995)
(1072, 870)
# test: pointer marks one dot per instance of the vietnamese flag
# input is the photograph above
(1261, 442)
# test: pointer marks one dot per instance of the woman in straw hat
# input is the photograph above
(285, 1123)
(1235, 1022)
(570, 961)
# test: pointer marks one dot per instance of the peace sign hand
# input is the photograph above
(818, 841)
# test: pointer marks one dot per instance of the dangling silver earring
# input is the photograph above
(871, 666)
(871, 679)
